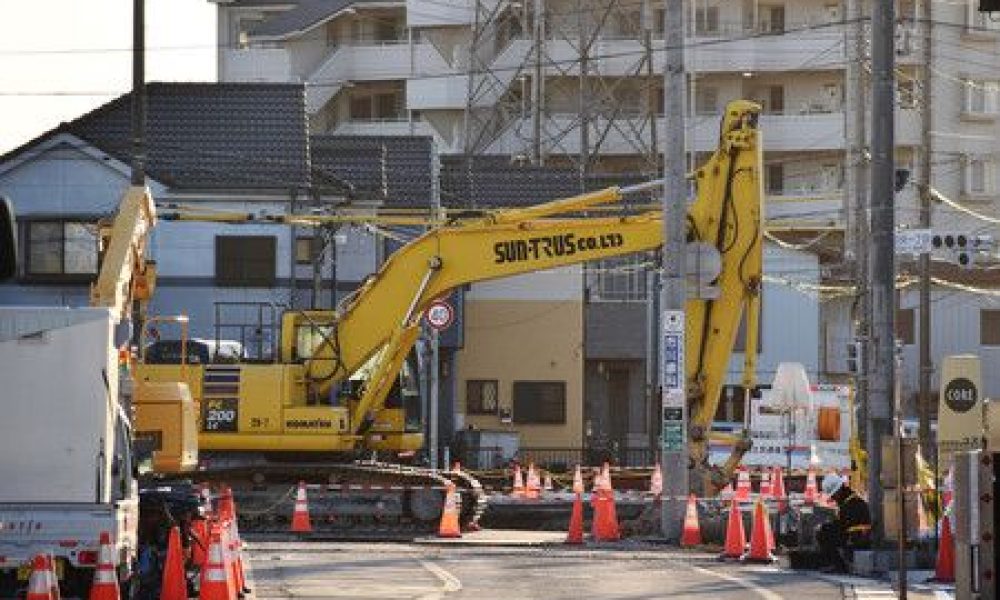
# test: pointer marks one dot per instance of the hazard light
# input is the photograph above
(68, 543)
(87, 557)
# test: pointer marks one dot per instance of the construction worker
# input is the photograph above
(850, 531)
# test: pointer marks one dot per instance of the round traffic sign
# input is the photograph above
(960, 394)
(440, 314)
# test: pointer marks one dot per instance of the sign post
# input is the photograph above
(439, 316)
(673, 434)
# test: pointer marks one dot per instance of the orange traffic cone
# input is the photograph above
(215, 581)
(199, 546)
(38, 583)
(578, 481)
(226, 508)
(606, 477)
(605, 519)
(760, 545)
(944, 570)
(736, 537)
(534, 485)
(656, 481)
(300, 518)
(692, 531)
(105, 586)
(174, 585)
(765, 485)
(518, 489)
(449, 516)
(50, 572)
(575, 533)
(811, 490)
(743, 485)
(778, 487)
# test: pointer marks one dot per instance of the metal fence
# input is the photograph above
(556, 459)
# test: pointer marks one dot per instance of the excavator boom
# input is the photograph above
(726, 215)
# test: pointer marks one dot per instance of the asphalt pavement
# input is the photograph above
(484, 572)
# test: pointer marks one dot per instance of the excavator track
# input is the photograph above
(357, 500)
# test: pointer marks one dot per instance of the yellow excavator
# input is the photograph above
(291, 419)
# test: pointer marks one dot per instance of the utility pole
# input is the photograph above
(882, 261)
(583, 22)
(138, 92)
(673, 296)
(537, 87)
(857, 221)
(924, 189)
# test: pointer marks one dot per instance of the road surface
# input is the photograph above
(415, 571)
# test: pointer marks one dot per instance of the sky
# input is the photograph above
(62, 58)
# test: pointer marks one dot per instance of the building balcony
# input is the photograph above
(267, 65)
(389, 126)
(821, 208)
(782, 132)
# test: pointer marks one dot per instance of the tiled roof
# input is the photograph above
(209, 135)
(399, 166)
(304, 16)
(496, 181)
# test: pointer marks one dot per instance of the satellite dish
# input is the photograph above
(8, 240)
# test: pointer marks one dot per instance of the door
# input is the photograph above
(618, 408)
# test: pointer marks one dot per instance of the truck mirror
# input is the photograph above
(8, 240)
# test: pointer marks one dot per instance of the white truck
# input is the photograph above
(66, 471)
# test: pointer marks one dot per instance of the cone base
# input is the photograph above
(759, 561)
(450, 535)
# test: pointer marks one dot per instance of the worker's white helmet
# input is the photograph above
(831, 483)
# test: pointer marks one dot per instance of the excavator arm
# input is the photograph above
(126, 276)
(383, 314)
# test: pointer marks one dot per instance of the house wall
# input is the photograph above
(72, 179)
(525, 328)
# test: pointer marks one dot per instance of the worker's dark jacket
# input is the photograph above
(854, 517)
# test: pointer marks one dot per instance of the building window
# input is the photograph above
(774, 175)
(772, 19)
(978, 179)
(60, 250)
(989, 327)
(980, 22)
(619, 279)
(306, 249)
(981, 96)
(706, 100)
(706, 20)
(242, 26)
(540, 402)
(384, 106)
(481, 396)
(905, 326)
(245, 261)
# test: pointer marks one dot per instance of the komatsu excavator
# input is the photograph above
(282, 422)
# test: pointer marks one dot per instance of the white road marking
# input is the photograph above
(450, 583)
(763, 593)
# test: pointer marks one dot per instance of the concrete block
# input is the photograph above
(868, 563)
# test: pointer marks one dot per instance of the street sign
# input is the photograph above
(440, 315)
(672, 353)
(913, 241)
